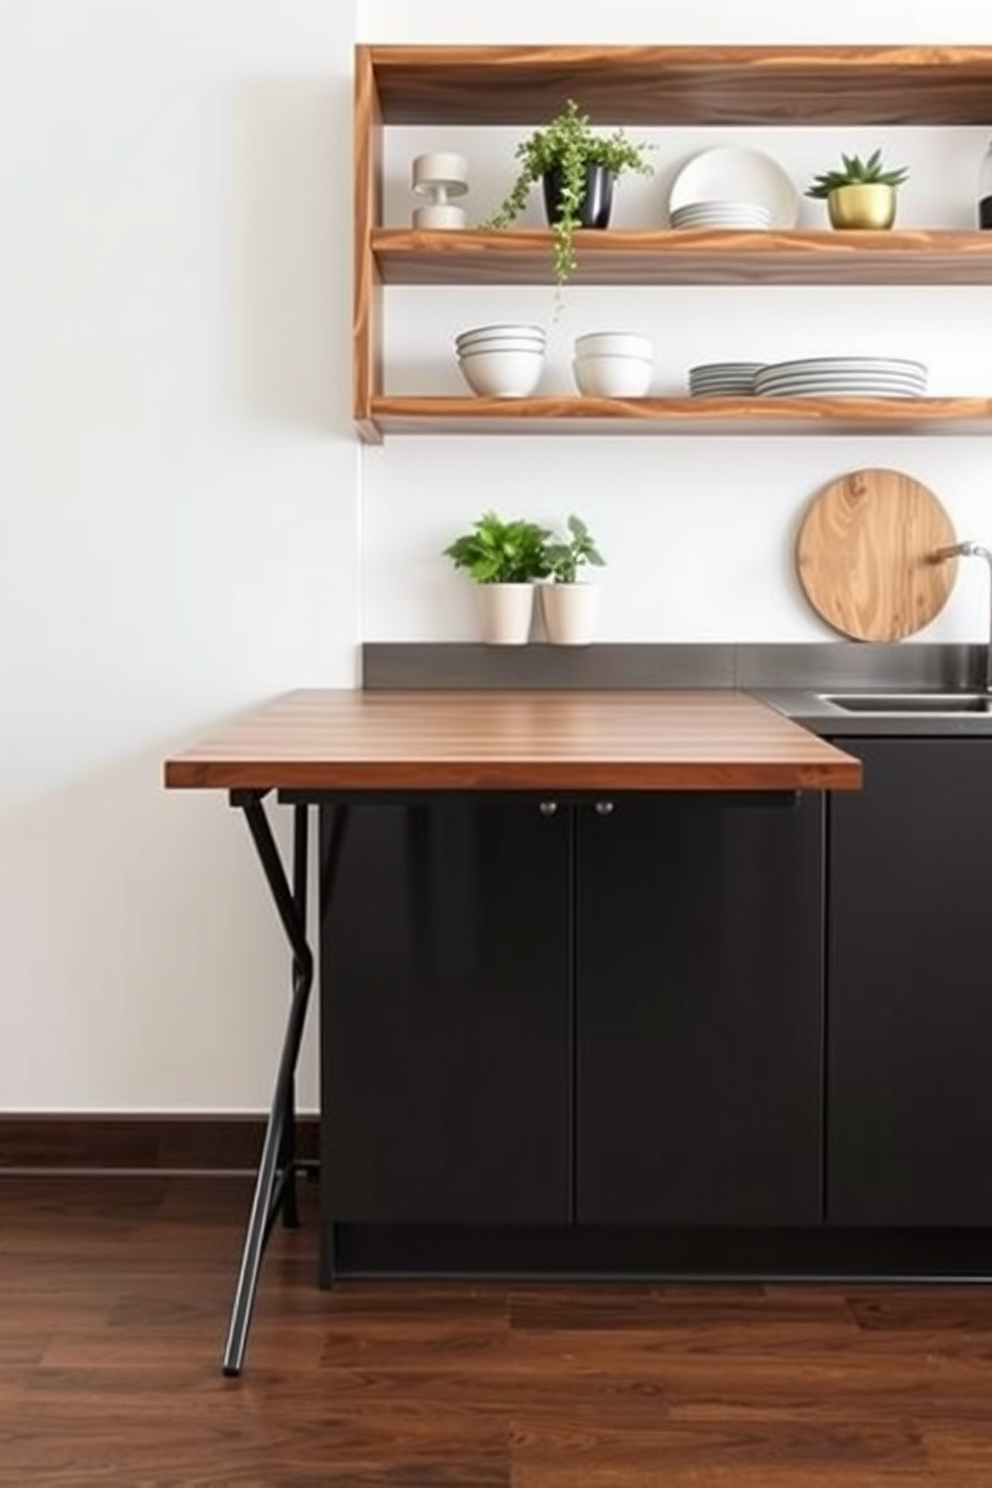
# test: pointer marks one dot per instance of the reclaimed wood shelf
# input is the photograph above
(624, 257)
(683, 415)
(657, 86)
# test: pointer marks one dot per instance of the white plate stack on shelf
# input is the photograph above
(723, 379)
(739, 216)
(501, 361)
(727, 180)
(842, 377)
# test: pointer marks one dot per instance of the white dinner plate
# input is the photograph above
(838, 392)
(849, 364)
(733, 174)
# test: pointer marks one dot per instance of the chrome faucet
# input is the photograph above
(975, 550)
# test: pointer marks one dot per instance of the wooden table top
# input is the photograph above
(519, 740)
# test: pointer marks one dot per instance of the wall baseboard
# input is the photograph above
(139, 1144)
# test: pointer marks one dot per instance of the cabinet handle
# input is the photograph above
(604, 808)
(548, 808)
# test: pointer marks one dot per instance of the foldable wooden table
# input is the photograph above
(342, 749)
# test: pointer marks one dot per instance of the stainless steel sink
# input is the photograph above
(910, 702)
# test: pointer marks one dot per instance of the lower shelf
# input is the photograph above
(700, 416)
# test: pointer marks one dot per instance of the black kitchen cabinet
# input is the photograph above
(445, 1058)
(604, 1013)
(909, 1127)
(699, 941)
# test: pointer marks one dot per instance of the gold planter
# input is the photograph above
(862, 206)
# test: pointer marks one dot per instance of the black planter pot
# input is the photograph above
(597, 203)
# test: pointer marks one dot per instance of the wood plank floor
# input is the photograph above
(114, 1296)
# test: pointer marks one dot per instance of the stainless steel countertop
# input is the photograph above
(807, 707)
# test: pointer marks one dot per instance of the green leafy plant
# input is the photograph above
(567, 144)
(498, 552)
(566, 556)
(857, 172)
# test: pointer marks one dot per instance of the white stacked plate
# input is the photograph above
(736, 176)
(742, 216)
(723, 379)
(832, 377)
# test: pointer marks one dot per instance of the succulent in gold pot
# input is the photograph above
(861, 193)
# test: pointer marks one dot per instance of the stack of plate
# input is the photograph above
(850, 377)
(743, 216)
(723, 379)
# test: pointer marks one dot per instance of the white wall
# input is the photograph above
(178, 517)
(180, 489)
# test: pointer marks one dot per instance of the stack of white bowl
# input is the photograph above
(501, 361)
(742, 216)
(723, 379)
(613, 364)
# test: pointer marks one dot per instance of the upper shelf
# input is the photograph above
(718, 86)
(666, 257)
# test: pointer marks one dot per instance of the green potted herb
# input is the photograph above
(578, 169)
(570, 602)
(504, 559)
(862, 193)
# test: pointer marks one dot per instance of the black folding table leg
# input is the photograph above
(271, 1186)
(287, 1154)
(332, 847)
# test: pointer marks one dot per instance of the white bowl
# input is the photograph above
(612, 376)
(489, 338)
(495, 332)
(500, 343)
(479, 348)
(614, 343)
(502, 374)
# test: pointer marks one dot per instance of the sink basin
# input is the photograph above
(910, 702)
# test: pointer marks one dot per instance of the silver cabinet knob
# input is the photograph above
(604, 808)
(548, 808)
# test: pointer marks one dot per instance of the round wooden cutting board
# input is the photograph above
(866, 555)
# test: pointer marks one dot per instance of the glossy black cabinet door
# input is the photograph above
(699, 975)
(910, 987)
(445, 1061)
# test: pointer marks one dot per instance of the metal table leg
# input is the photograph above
(275, 1185)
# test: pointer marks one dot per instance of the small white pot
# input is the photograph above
(570, 612)
(505, 612)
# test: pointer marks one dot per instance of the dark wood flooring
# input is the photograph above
(114, 1295)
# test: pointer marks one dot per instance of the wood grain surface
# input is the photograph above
(866, 555)
(115, 1295)
(395, 414)
(710, 85)
(366, 370)
(350, 740)
(663, 256)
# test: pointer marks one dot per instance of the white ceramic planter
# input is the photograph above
(505, 613)
(570, 612)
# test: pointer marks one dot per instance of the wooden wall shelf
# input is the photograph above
(666, 257)
(651, 85)
(701, 416)
(655, 86)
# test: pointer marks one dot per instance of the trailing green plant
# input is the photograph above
(566, 144)
(857, 172)
(567, 555)
(498, 552)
